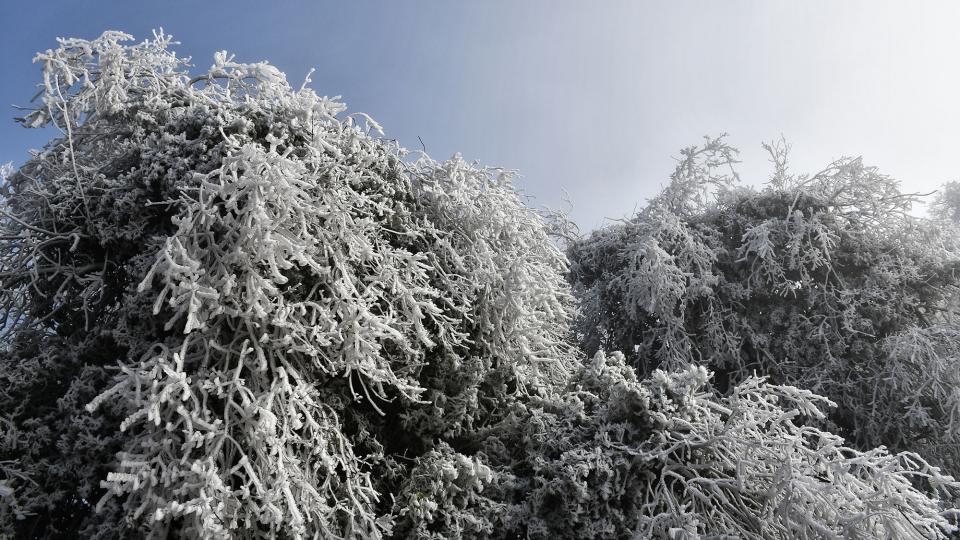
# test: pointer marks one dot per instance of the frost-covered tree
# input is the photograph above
(946, 204)
(233, 310)
(667, 457)
(823, 281)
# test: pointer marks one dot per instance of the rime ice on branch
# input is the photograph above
(233, 309)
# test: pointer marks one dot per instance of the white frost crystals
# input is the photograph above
(273, 269)
(235, 311)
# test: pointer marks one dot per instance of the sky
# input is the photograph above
(589, 101)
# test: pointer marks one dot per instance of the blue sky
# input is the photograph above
(588, 98)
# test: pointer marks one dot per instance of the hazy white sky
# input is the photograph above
(589, 97)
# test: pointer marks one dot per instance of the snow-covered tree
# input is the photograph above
(253, 303)
(946, 204)
(823, 281)
(234, 310)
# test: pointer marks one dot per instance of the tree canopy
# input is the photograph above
(232, 309)
(823, 281)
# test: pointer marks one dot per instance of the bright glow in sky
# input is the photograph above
(593, 98)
